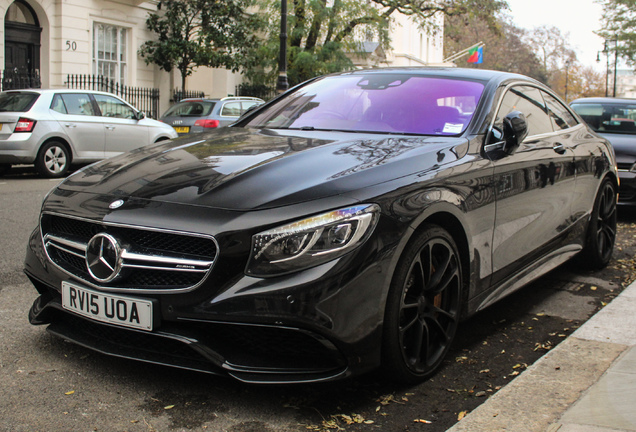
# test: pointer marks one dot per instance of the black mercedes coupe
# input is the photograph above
(348, 224)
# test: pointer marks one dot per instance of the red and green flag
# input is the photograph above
(476, 55)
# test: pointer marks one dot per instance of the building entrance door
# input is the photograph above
(21, 47)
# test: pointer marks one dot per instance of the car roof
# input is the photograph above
(604, 100)
(229, 98)
(58, 90)
(483, 75)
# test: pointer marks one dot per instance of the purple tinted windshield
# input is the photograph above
(393, 103)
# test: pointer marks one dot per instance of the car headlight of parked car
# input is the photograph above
(312, 241)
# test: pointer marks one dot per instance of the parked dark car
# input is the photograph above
(613, 118)
(198, 115)
(348, 224)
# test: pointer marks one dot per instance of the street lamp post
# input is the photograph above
(606, 48)
(615, 62)
(282, 84)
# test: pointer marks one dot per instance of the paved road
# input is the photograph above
(49, 385)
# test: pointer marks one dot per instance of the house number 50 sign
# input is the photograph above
(71, 45)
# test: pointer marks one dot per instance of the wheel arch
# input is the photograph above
(62, 141)
(452, 219)
(456, 229)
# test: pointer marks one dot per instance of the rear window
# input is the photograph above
(17, 102)
(384, 103)
(609, 118)
(190, 109)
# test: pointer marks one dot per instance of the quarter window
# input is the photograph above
(109, 52)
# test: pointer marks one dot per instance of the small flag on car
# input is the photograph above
(476, 55)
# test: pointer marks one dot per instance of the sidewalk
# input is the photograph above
(586, 384)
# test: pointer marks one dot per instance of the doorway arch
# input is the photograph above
(22, 43)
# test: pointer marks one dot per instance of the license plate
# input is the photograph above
(182, 129)
(114, 309)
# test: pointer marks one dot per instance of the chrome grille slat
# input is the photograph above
(145, 250)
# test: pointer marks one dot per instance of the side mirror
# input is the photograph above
(515, 131)
(141, 115)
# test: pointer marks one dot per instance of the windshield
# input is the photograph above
(611, 117)
(17, 102)
(389, 103)
(190, 109)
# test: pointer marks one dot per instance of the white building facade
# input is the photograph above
(54, 39)
(57, 38)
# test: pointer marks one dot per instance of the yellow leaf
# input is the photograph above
(68, 393)
(462, 415)
(168, 407)
(593, 288)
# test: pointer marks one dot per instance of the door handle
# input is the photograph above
(70, 125)
(110, 127)
(559, 148)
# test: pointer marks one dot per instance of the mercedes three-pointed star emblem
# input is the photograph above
(103, 257)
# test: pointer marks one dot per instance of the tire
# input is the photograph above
(601, 232)
(53, 160)
(423, 306)
(4, 168)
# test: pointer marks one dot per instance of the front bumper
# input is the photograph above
(321, 324)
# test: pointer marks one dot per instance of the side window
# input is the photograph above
(529, 101)
(559, 115)
(231, 109)
(78, 104)
(247, 105)
(58, 104)
(112, 107)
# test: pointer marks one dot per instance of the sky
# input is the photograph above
(579, 18)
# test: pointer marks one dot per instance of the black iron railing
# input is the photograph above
(178, 95)
(144, 99)
(13, 79)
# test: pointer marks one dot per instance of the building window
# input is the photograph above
(109, 52)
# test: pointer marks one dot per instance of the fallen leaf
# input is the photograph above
(168, 407)
(422, 421)
(461, 415)
(593, 288)
(68, 393)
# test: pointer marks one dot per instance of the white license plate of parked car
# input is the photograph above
(114, 309)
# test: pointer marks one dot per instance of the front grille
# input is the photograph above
(151, 260)
(624, 166)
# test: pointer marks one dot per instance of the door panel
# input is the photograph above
(123, 132)
(535, 186)
(85, 130)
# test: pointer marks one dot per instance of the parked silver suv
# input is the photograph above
(199, 115)
(55, 128)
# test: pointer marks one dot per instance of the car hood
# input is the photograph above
(242, 169)
(624, 146)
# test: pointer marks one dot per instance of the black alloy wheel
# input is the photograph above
(423, 308)
(601, 234)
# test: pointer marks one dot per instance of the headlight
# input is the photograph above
(312, 241)
(633, 168)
